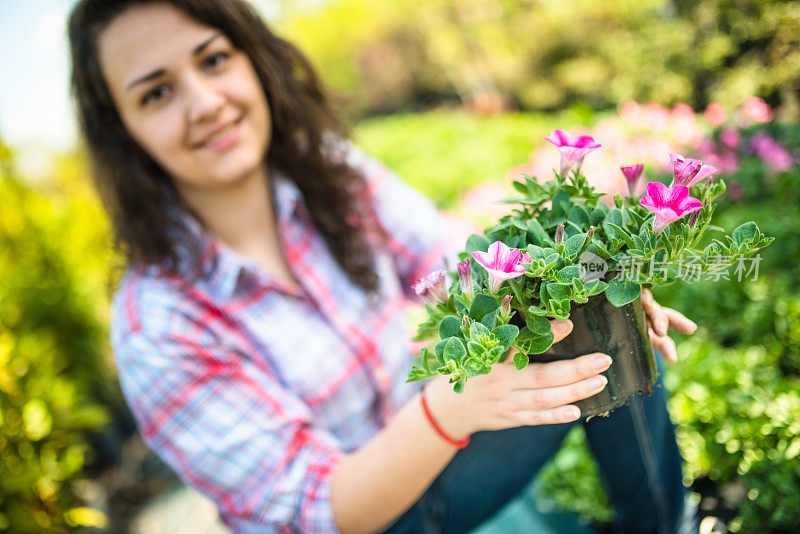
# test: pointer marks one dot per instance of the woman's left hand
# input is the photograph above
(659, 320)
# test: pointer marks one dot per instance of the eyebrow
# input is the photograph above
(160, 72)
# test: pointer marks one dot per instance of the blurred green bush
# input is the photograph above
(401, 55)
(54, 370)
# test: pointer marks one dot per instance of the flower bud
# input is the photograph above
(559, 234)
(693, 218)
(505, 307)
(465, 323)
(465, 278)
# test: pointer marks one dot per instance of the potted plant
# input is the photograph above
(562, 253)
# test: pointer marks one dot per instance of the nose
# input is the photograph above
(204, 101)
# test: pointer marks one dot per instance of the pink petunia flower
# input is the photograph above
(632, 175)
(755, 109)
(668, 204)
(432, 287)
(573, 149)
(688, 171)
(715, 114)
(730, 138)
(501, 262)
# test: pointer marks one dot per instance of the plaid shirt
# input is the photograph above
(252, 391)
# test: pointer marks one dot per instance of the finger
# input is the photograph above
(563, 414)
(561, 329)
(561, 373)
(679, 322)
(657, 317)
(665, 345)
(547, 398)
(647, 298)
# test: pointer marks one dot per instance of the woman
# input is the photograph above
(257, 331)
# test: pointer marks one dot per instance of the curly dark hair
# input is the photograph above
(139, 194)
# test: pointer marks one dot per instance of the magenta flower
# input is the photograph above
(432, 287)
(688, 171)
(771, 151)
(669, 204)
(573, 149)
(632, 175)
(501, 262)
(525, 258)
(465, 278)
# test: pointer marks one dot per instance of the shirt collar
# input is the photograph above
(222, 282)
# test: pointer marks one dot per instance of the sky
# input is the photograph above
(35, 108)
(34, 104)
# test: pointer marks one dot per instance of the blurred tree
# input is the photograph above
(53, 364)
(547, 55)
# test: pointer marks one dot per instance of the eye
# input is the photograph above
(154, 94)
(215, 60)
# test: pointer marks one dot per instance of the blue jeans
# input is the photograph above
(634, 447)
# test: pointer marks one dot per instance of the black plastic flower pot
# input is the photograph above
(599, 326)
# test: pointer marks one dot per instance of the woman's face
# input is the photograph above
(187, 96)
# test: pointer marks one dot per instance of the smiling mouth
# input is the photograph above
(220, 134)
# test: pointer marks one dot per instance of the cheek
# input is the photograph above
(163, 138)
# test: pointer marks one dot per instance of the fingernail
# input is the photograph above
(599, 382)
(601, 362)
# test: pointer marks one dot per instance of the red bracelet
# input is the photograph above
(459, 444)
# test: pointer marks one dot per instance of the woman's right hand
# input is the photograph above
(539, 394)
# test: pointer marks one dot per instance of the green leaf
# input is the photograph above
(531, 343)
(506, 334)
(614, 216)
(520, 360)
(476, 329)
(566, 274)
(622, 292)
(579, 216)
(475, 349)
(574, 244)
(482, 305)
(744, 233)
(477, 242)
(559, 291)
(490, 319)
(439, 350)
(622, 234)
(537, 234)
(595, 287)
(450, 326)
(454, 350)
(560, 204)
(538, 325)
(459, 387)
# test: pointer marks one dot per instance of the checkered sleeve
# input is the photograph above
(227, 428)
(419, 240)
